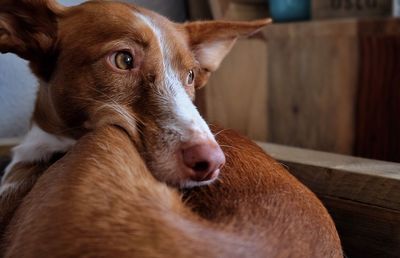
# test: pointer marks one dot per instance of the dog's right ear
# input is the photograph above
(211, 41)
(28, 28)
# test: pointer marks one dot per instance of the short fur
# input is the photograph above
(100, 200)
(80, 91)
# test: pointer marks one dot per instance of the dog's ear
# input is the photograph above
(212, 40)
(28, 28)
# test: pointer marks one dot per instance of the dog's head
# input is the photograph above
(114, 63)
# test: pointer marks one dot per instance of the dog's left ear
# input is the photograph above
(211, 41)
(28, 28)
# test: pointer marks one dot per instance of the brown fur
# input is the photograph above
(257, 206)
(81, 91)
(101, 201)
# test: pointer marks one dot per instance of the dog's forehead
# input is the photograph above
(105, 21)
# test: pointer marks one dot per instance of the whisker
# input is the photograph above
(223, 130)
(229, 146)
(117, 109)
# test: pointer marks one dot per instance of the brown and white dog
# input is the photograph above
(112, 63)
(106, 63)
(100, 200)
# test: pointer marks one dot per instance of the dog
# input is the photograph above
(114, 64)
(132, 68)
(101, 200)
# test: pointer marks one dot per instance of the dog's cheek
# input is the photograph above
(160, 148)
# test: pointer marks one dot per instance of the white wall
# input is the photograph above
(18, 86)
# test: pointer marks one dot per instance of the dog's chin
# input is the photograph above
(186, 184)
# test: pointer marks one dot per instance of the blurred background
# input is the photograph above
(324, 76)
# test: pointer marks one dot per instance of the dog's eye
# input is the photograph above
(124, 60)
(190, 78)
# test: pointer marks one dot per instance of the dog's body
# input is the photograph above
(100, 200)
(105, 63)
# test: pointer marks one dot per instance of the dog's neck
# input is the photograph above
(45, 137)
(38, 146)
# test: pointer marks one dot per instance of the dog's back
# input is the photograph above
(101, 201)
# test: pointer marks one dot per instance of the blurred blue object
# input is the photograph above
(290, 10)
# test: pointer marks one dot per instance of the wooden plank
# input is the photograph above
(6, 145)
(246, 12)
(312, 84)
(218, 8)
(236, 93)
(366, 231)
(362, 196)
(366, 181)
(328, 28)
(378, 27)
(199, 10)
(318, 71)
(312, 80)
(326, 9)
(238, 9)
(378, 98)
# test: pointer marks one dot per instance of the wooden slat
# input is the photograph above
(363, 196)
(378, 98)
(199, 10)
(238, 10)
(218, 8)
(327, 9)
(6, 145)
(311, 84)
(366, 231)
(236, 96)
(366, 181)
(312, 79)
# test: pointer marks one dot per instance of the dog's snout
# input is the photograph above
(204, 160)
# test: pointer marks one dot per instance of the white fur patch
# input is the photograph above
(38, 145)
(211, 54)
(8, 187)
(188, 121)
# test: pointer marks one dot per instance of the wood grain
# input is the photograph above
(6, 144)
(312, 80)
(236, 93)
(218, 8)
(363, 180)
(326, 9)
(366, 231)
(238, 9)
(362, 196)
(321, 91)
(378, 103)
(199, 10)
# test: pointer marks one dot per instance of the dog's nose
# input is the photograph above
(204, 160)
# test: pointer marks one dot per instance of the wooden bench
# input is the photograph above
(362, 195)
